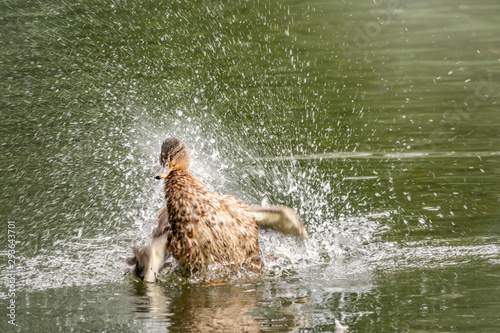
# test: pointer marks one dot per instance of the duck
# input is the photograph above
(200, 228)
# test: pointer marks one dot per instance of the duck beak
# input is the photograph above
(164, 171)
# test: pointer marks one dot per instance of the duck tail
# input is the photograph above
(279, 218)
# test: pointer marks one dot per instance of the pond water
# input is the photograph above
(377, 121)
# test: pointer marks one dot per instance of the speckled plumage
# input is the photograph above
(204, 227)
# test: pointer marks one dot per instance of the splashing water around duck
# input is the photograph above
(200, 228)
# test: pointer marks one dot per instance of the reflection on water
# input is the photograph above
(228, 308)
(377, 121)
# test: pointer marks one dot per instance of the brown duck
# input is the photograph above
(201, 228)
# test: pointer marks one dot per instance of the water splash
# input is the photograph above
(122, 203)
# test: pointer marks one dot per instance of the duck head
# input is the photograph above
(174, 156)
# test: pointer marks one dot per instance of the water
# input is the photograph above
(377, 121)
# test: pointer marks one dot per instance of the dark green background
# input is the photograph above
(378, 121)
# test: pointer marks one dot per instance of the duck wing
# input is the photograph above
(279, 218)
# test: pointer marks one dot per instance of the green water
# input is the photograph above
(378, 121)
